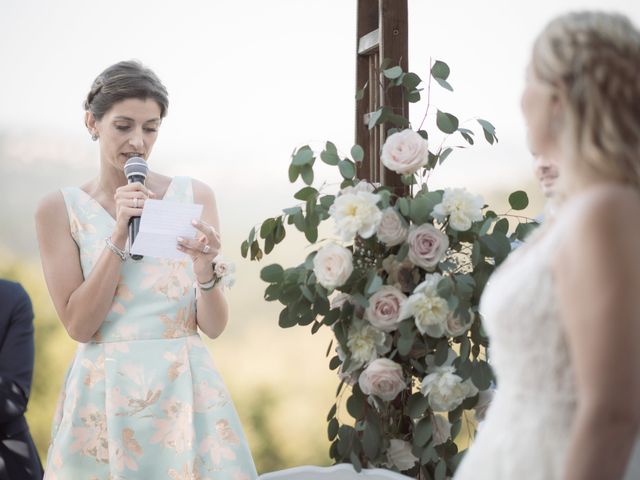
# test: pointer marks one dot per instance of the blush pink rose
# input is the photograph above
(384, 307)
(383, 378)
(427, 246)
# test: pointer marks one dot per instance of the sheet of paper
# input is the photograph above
(161, 223)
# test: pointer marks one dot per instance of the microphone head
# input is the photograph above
(136, 166)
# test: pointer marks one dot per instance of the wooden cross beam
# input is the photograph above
(382, 32)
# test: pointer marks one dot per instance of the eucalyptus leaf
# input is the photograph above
(519, 200)
(306, 193)
(330, 157)
(371, 441)
(482, 375)
(357, 153)
(268, 226)
(417, 405)
(422, 432)
(294, 172)
(306, 172)
(304, 156)
(446, 122)
(441, 470)
(393, 72)
(413, 97)
(410, 81)
(347, 169)
(440, 70)
(444, 84)
(444, 154)
(332, 429)
(501, 226)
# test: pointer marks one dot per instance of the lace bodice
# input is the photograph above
(526, 433)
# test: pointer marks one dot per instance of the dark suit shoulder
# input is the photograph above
(13, 295)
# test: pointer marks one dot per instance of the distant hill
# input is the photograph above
(31, 165)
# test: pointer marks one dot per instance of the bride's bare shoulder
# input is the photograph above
(607, 213)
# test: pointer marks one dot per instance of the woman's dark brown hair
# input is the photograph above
(128, 79)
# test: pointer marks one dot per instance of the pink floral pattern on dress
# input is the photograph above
(91, 437)
(208, 398)
(175, 431)
(169, 278)
(180, 325)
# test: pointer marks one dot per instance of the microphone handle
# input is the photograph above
(134, 226)
(134, 222)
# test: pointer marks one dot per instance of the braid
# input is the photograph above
(594, 58)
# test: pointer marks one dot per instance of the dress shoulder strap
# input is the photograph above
(180, 190)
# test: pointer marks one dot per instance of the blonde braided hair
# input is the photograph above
(592, 60)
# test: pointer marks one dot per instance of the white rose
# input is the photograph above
(366, 343)
(224, 270)
(333, 264)
(356, 213)
(384, 308)
(445, 389)
(405, 152)
(392, 229)
(339, 299)
(427, 246)
(441, 430)
(456, 326)
(461, 207)
(361, 186)
(383, 378)
(429, 310)
(399, 455)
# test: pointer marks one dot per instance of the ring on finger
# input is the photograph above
(206, 249)
(135, 202)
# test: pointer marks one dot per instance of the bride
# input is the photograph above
(563, 312)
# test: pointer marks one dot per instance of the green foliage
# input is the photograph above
(454, 281)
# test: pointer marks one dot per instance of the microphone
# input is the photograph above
(136, 171)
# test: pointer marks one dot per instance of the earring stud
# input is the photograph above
(94, 137)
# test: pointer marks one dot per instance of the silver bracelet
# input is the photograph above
(121, 253)
(206, 286)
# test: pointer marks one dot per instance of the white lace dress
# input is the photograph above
(526, 432)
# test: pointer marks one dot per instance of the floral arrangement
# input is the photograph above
(399, 286)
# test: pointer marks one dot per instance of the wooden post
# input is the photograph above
(382, 32)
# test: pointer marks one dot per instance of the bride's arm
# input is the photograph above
(598, 278)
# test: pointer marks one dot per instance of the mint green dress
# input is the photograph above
(143, 399)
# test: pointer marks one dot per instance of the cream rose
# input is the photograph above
(383, 378)
(461, 207)
(333, 264)
(446, 390)
(427, 246)
(441, 430)
(399, 455)
(366, 343)
(429, 310)
(392, 229)
(356, 212)
(384, 308)
(405, 152)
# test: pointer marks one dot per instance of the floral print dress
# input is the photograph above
(143, 399)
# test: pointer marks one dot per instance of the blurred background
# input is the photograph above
(249, 81)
